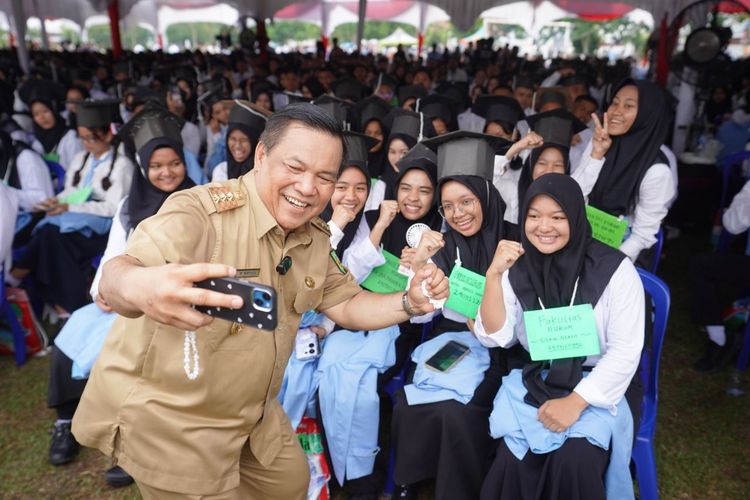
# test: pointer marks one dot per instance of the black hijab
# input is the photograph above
(633, 153)
(394, 238)
(351, 228)
(552, 277)
(477, 250)
(145, 199)
(235, 168)
(527, 171)
(377, 161)
(49, 138)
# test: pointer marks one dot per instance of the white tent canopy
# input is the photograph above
(398, 37)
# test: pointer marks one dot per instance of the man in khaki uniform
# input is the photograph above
(223, 434)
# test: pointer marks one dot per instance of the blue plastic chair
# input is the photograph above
(726, 170)
(391, 388)
(643, 450)
(19, 334)
(658, 246)
(58, 175)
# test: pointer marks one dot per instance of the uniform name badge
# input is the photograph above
(467, 288)
(562, 332)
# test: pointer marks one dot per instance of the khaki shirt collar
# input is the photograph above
(264, 221)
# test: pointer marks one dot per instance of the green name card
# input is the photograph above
(606, 228)
(562, 332)
(386, 278)
(78, 196)
(466, 289)
(53, 157)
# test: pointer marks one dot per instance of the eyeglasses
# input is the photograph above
(464, 206)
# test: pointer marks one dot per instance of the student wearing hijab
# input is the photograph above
(162, 171)
(423, 426)
(549, 143)
(575, 414)
(75, 229)
(53, 139)
(406, 129)
(635, 180)
(246, 123)
(370, 113)
(23, 171)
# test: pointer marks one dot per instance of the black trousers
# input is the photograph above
(63, 392)
(714, 279)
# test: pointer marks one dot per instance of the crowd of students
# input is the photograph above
(482, 162)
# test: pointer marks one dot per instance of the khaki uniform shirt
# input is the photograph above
(139, 407)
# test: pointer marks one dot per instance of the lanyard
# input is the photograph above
(95, 163)
(572, 299)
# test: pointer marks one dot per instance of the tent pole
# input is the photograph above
(113, 9)
(20, 21)
(361, 23)
(324, 23)
(422, 27)
(45, 39)
(262, 37)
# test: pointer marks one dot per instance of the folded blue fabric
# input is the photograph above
(86, 224)
(516, 422)
(347, 377)
(82, 337)
(458, 383)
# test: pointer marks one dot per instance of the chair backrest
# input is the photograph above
(58, 175)
(659, 294)
(658, 246)
(726, 170)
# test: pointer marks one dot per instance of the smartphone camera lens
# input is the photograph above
(262, 300)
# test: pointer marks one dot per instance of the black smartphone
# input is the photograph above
(258, 306)
(448, 356)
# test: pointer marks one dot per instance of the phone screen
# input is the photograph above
(448, 355)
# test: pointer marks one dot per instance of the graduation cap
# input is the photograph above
(418, 156)
(283, 99)
(466, 153)
(97, 113)
(523, 81)
(438, 106)
(411, 92)
(368, 109)
(348, 88)
(246, 113)
(457, 91)
(41, 90)
(357, 148)
(498, 108)
(574, 80)
(386, 79)
(402, 122)
(550, 95)
(142, 95)
(557, 126)
(335, 107)
(151, 126)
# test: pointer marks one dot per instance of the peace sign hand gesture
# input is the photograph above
(601, 141)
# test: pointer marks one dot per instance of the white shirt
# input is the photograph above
(67, 148)
(376, 196)
(8, 213)
(655, 195)
(672, 160)
(220, 172)
(577, 151)
(619, 317)
(102, 202)
(470, 121)
(191, 137)
(35, 180)
(116, 243)
(736, 219)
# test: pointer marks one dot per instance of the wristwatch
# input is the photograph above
(405, 304)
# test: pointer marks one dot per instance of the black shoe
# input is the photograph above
(116, 477)
(64, 446)
(716, 356)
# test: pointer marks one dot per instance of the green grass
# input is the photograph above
(702, 440)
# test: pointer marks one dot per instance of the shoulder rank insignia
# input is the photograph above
(225, 199)
(337, 262)
(321, 224)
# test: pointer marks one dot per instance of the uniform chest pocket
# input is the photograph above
(307, 299)
(225, 336)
